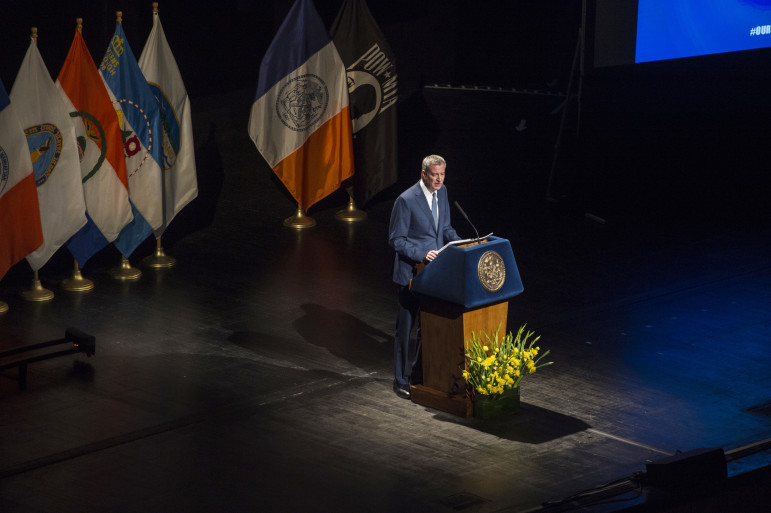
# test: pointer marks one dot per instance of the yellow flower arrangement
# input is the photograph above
(494, 366)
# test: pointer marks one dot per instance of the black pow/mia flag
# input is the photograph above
(372, 90)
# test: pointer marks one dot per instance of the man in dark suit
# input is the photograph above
(420, 225)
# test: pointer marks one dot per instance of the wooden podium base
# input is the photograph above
(457, 404)
(445, 327)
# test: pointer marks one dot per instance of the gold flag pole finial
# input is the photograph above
(155, 7)
(37, 292)
(77, 283)
(299, 220)
(351, 214)
(3, 307)
(119, 16)
(33, 32)
(159, 259)
(79, 24)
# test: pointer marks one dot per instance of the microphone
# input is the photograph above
(467, 219)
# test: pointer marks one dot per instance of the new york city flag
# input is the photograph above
(300, 119)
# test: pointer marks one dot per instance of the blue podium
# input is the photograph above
(464, 290)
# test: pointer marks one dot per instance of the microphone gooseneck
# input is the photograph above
(467, 219)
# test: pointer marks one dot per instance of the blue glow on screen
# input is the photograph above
(671, 29)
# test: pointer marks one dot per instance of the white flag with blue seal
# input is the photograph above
(140, 121)
(180, 182)
(54, 151)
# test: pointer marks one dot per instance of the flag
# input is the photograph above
(54, 151)
(102, 166)
(300, 119)
(138, 229)
(20, 230)
(140, 119)
(180, 185)
(372, 87)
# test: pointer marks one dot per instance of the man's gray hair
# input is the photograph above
(433, 160)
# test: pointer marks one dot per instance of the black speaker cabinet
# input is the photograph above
(695, 470)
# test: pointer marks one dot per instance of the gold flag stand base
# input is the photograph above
(77, 283)
(3, 307)
(299, 221)
(125, 272)
(159, 259)
(37, 292)
(351, 214)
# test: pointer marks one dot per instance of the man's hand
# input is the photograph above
(430, 255)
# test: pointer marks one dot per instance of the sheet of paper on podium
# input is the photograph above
(462, 241)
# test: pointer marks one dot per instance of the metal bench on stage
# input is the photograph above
(20, 357)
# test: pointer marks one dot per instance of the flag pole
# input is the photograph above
(351, 214)
(77, 283)
(36, 292)
(124, 272)
(159, 259)
(299, 221)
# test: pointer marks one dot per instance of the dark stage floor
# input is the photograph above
(256, 374)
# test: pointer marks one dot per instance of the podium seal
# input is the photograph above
(491, 271)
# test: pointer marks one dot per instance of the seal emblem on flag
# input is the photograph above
(91, 154)
(362, 87)
(302, 102)
(372, 86)
(5, 170)
(132, 144)
(169, 127)
(45, 147)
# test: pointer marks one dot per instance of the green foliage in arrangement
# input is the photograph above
(495, 365)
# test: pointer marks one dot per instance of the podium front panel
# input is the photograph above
(471, 276)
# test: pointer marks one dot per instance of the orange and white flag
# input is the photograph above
(20, 230)
(102, 165)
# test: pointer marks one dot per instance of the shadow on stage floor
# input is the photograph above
(255, 375)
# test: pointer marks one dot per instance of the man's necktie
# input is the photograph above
(435, 210)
